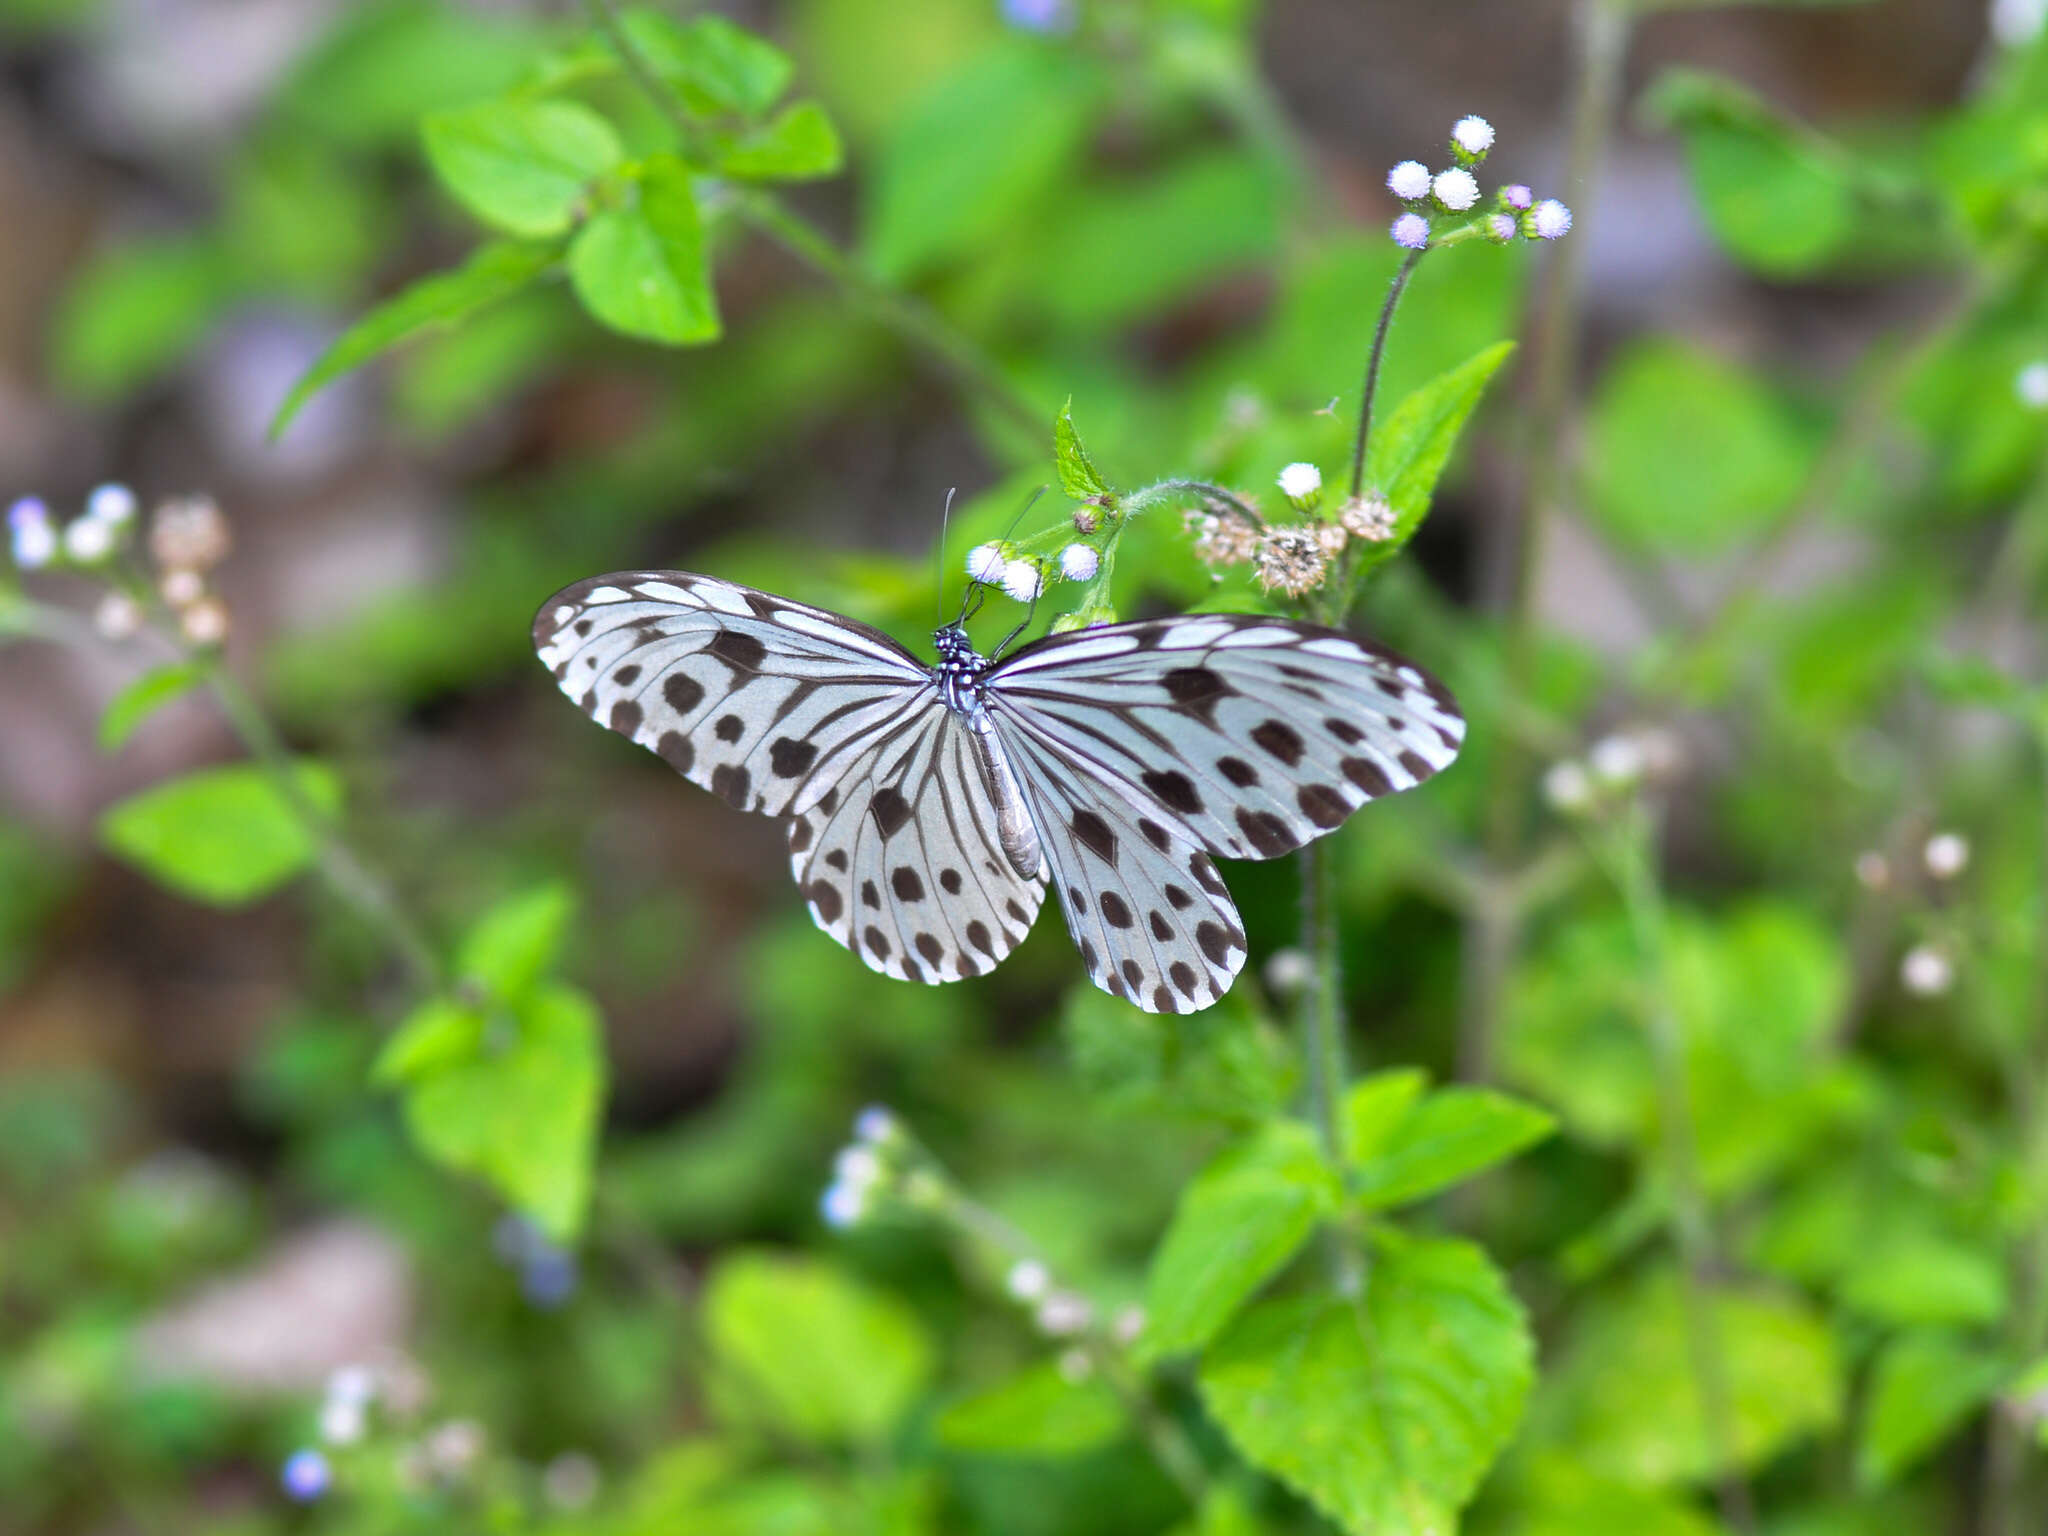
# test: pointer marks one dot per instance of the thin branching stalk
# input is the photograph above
(910, 320)
(1369, 390)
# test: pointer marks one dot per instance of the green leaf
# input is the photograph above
(718, 67)
(1037, 1412)
(1915, 1275)
(803, 1350)
(1237, 1223)
(143, 697)
(975, 155)
(509, 948)
(799, 144)
(512, 1097)
(1384, 1416)
(1079, 477)
(134, 311)
(1449, 1136)
(1924, 1386)
(221, 835)
(1687, 453)
(521, 166)
(1778, 1364)
(642, 268)
(1376, 1105)
(493, 272)
(1411, 447)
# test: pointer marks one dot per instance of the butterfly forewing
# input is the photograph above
(755, 698)
(1248, 735)
(904, 865)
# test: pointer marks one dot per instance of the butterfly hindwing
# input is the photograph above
(902, 864)
(755, 698)
(1249, 735)
(1145, 905)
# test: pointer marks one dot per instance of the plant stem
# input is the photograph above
(1632, 864)
(1322, 1046)
(1371, 388)
(910, 320)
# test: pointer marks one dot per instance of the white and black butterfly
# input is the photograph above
(926, 805)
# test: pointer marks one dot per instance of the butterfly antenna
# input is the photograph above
(939, 596)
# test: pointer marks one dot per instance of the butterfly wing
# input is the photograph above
(904, 866)
(790, 710)
(760, 700)
(1247, 736)
(1144, 903)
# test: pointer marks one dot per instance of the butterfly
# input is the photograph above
(928, 805)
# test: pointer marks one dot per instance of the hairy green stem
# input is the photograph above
(1632, 864)
(910, 320)
(1370, 389)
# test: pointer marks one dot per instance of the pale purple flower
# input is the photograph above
(1502, 227)
(1409, 180)
(1046, 16)
(111, 503)
(1550, 220)
(33, 536)
(1517, 197)
(1411, 231)
(306, 1475)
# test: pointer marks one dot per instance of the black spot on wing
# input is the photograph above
(1322, 805)
(905, 883)
(1197, 690)
(1183, 976)
(1093, 833)
(869, 895)
(1280, 739)
(949, 881)
(1266, 832)
(740, 652)
(1180, 899)
(1134, 974)
(799, 833)
(1416, 765)
(1203, 868)
(878, 946)
(837, 859)
(978, 936)
(675, 750)
(1344, 731)
(625, 717)
(1367, 775)
(1215, 942)
(788, 757)
(731, 783)
(890, 810)
(683, 692)
(1155, 834)
(1174, 790)
(729, 728)
(1114, 911)
(1238, 771)
(825, 897)
(626, 676)
(1162, 930)
(931, 949)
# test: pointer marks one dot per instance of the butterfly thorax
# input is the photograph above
(959, 670)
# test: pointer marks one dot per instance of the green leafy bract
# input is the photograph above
(525, 167)
(642, 267)
(223, 835)
(1410, 448)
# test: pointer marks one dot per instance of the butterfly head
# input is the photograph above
(957, 654)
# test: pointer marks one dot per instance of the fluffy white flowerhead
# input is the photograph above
(1550, 220)
(88, 540)
(985, 563)
(1411, 231)
(1028, 1280)
(1616, 760)
(342, 1421)
(1409, 180)
(1568, 787)
(1474, 135)
(1926, 971)
(1946, 855)
(1456, 189)
(2031, 385)
(111, 504)
(31, 533)
(1301, 482)
(1079, 562)
(843, 1206)
(876, 1125)
(117, 617)
(1023, 580)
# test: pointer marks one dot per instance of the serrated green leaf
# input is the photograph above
(1924, 1386)
(1237, 1223)
(718, 67)
(1037, 1412)
(221, 835)
(519, 1108)
(1448, 1136)
(798, 144)
(1079, 477)
(493, 273)
(509, 948)
(143, 697)
(1411, 447)
(523, 166)
(642, 268)
(807, 1352)
(1384, 1416)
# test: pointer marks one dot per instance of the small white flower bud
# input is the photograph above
(1873, 870)
(1550, 220)
(1075, 1367)
(1517, 197)
(1063, 1314)
(341, 1421)
(985, 563)
(2016, 23)
(1456, 189)
(1502, 227)
(876, 1125)
(858, 1167)
(88, 541)
(205, 622)
(842, 1206)
(1616, 761)
(1028, 1280)
(1926, 971)
(2031, 385)
(352, 1384)
(111, 503)
(1023, 580)
(1411, 232)
(1130, 1322)
(1288, 972)
(1945, 854)
(117, 617)
(1473, 135)
(181, 589)
(1409, 181)
(1302, 484)
(1079, 562)
(33, 535)
(1568, 787)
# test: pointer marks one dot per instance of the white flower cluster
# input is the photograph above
(88, 539)
(1615, 765)
(1455, 190)
(1024, 578)
(864, 1170)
